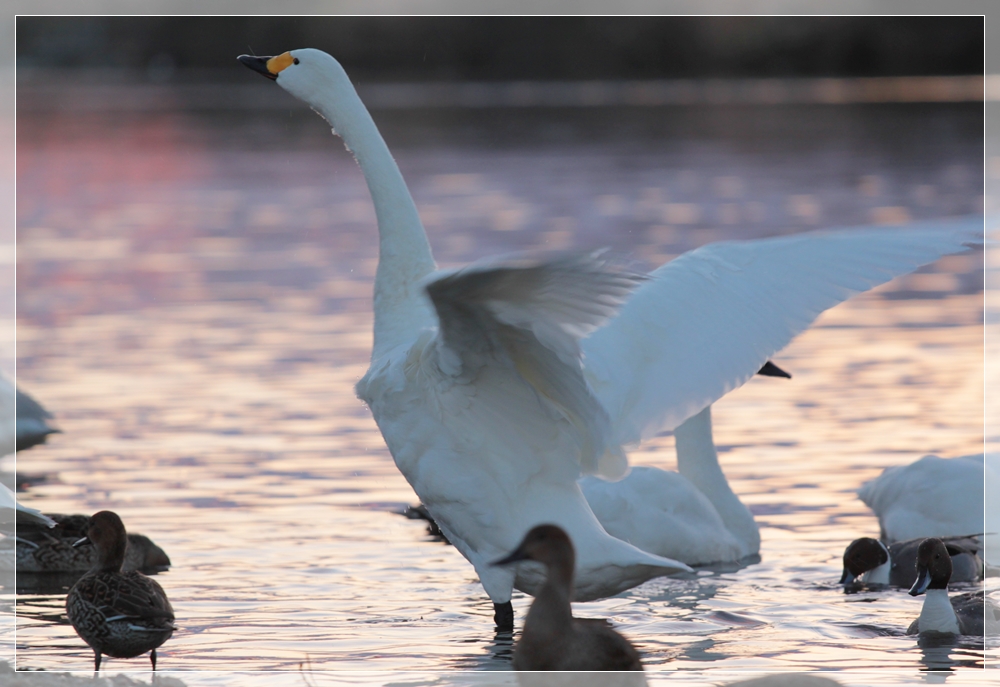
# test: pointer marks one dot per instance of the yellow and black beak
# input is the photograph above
(268, 66)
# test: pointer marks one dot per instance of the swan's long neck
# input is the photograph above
(698, 461)
(404, 253)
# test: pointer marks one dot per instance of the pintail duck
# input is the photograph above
(896, 564)
(41, 549)
(552, 638)
(961, 614)
(120, 614)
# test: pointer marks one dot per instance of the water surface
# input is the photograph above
(194, 306)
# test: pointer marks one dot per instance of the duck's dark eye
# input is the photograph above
(295, 60)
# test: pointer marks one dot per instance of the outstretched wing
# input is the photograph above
(532, 317)
(707, 321)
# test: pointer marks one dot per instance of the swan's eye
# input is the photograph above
(295, 61)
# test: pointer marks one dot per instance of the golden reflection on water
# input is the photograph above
(196, 317)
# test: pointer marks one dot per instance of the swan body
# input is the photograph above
(11, 511)
(498, 386)
(931, 497)
(23, 421)
(691, 515)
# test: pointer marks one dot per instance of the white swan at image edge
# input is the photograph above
(477, 380)
(24, 422)
(11, 510)
(934, 497)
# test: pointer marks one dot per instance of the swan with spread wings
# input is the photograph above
(497, 386)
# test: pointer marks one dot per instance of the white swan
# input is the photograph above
(691, 515)
(931, 497)
(23, 421)
(11, 511)
(479, 389)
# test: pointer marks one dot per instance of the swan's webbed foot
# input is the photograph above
(503, 615)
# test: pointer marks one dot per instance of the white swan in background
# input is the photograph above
(23, 421)
(931, 497)
(692, 515)
(11, 510)
(477, 380)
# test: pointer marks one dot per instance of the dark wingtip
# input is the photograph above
(258, 64)
(771, 370)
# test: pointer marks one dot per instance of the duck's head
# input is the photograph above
(547, 544)
(862, 555)
(310, 75)
(933, 567)
(107, 533)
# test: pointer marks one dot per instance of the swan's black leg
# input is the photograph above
(152, 658)
(97, 660)
(503, 615)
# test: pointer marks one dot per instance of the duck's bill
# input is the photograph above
(517, 555)
(922, 582)
(847, 578)
(258, 64)
(81, 541)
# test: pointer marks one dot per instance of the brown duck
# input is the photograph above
(119, 614)
(42, 549)
(552, 638)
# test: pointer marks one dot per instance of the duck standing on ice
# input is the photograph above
(120, 614)
(497, 386)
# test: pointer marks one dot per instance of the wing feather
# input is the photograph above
(531, 316)
(706, 321)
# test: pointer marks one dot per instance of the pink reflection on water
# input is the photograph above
(195, 308)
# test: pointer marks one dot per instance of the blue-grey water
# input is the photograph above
(194, 305)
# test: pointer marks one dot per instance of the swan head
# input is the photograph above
(933, 567)
(310, 75)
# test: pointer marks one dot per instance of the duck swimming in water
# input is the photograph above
(962, 614)
(552, 638)
(896, 564)
(118, 614)
(497, 386)
(41, 549)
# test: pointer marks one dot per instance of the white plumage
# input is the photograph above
(493, 404)
(11, 511)
(931, 497)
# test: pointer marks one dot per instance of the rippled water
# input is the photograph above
(194, 306)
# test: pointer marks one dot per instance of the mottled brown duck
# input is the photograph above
(43, 549)
(118, 614)
(552, 639)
